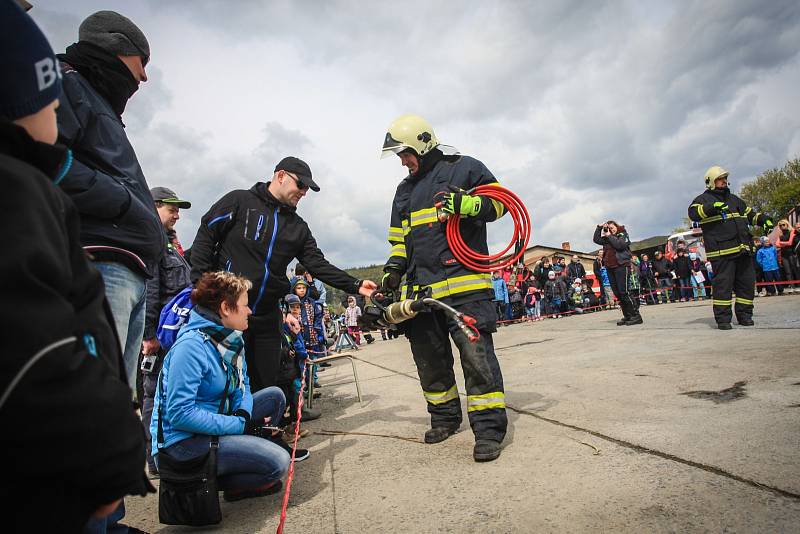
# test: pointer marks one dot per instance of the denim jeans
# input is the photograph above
(243, 461)
(664, 284)
(697, 289)
(109, 524)
(126, 295)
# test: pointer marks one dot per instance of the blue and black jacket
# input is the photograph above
(250, 233)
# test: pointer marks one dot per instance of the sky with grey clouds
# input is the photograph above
(588, 110)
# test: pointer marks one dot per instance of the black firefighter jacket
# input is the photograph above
(725, 234)
(71, 438)
(418, 240)
(250, 233)
(118, 216)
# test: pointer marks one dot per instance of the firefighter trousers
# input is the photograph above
(429, 334)
(733, 275)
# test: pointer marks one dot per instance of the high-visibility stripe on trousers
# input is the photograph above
(429, 334)
(733, 275)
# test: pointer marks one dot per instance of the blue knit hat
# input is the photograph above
(31, 77)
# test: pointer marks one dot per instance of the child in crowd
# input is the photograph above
(699, 277)
(311, 321)
(554, 295)
(767, 258)
(299, 355)
(606, 285)
(575, 297)
(531, 309)
(351, 315)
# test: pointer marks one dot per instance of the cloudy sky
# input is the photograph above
(588, 110)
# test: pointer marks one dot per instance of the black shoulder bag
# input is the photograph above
(187, 492)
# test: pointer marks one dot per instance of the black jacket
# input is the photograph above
(419, 245)
(118, 217)
(71, 436)
(619, 243)
(683, 267)
(725, 234)
(249, 232)
(170, 277)
(575, 270)
(662, 268)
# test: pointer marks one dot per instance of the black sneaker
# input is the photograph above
(439, 433)
(269, 488)
(486, 450)
(299, 454)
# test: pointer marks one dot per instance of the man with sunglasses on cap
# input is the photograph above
(256, 233)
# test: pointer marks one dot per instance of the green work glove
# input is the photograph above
(460, 204)
(720, 207)
(768, 224)
(390, 281)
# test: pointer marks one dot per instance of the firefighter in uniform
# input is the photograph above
(725, 220)
(438, 174)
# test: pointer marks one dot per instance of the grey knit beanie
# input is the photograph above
(116, 34)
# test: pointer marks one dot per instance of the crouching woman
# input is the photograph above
(207, 355)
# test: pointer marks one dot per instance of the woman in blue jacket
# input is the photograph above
(208, 354)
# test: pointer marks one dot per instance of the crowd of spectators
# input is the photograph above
(553, 288)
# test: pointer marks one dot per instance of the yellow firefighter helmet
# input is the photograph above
(713, 174)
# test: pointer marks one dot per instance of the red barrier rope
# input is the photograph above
(482, 263)
(290, 476)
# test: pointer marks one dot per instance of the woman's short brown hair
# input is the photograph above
(215, 288)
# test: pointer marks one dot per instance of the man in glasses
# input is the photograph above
(256, 233)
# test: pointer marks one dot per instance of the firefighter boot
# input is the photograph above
(439, 433)
(486, 450)
(626, 313)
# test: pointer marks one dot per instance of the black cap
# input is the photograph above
(298, 167)
(168, 196)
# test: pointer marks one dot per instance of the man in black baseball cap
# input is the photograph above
(256, 234)
(300, 170)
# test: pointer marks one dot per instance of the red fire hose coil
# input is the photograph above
(486, 263)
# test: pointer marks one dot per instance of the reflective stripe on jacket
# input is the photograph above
(725, 234)
(419, 245)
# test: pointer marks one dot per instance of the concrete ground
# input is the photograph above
(671, 426)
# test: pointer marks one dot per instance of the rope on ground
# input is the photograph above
(596, 450)
(290, 476)
(347, 433)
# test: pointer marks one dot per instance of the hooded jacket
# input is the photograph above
(500, 290)
(250, 233)
(71, 435)
(767, 258)
(118, 216)
(725, 234)
(419, 245)
(192, 384)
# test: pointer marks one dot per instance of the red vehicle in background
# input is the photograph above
(694, 243)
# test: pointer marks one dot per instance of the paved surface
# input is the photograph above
(611, 429)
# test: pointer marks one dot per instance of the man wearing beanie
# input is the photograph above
(119, 225)
(71, 436)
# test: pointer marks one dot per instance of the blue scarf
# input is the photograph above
(230, 345)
